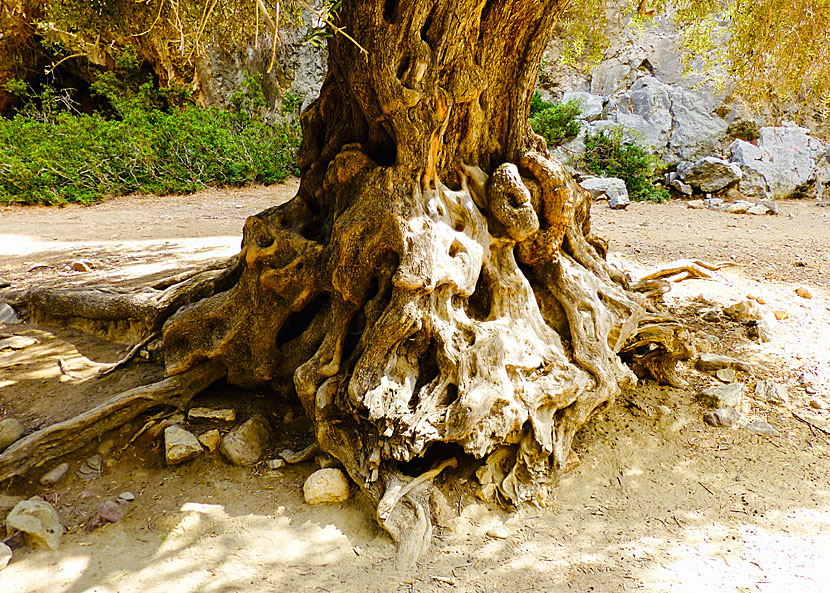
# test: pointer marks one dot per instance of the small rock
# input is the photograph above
(702, 345)
(39, 522)
(771, 392)
(17, 342)
(758, 210)
(686, 190)
(804, 292)
(712, 362)
(695, 204)
(7, 315)
(177, 418)
(275, 463)
(210, 440)
(54, 475)
(817, 404)
(761, 330)
(780, 315)
(619, 202)
(5, 555)
(712, 339)
(807, 381)
(223, 414)
(11, 430)
(723, 396)
(771, 206)
(760, 427)
(609, 187)
(110, 511)
(745, 311)
(498, 532)
(246, 444)
(709, 315)
(180, 445)
(326, 485)
(91, 468)
(293, 457)
(82, 265)
(713, 202)
(736, 208)
(710, 174)
(726, 375)
(722, 418)
(760, 300)
(127, 496)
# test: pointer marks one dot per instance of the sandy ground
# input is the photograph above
(660, 502)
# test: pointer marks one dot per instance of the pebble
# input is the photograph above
(5, 555)
(761, 330)
(275, 463)
(82, 265)
(804, 292)
(498, 532)
(11, 430)
(210, 440)
(761, 427)
(326, 485)
(127, 496)
(17, 342)
(723, 396)
(710, 315)
(726, 375)
(110, 511)
(713, 362)
(744, 311)
(39, 521)
(54, 475)
(91, 468)
(223, 414)
(180, 445)
(780, 314)
(246, 444)
(722, 418)
(817, 404)
(771, 392)
(7, 315)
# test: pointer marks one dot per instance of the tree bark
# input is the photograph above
(434, 280)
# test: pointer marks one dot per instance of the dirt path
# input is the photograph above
(660, 502)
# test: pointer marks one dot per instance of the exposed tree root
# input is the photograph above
(110, 368)
(64, 437)
(686, 269)
(117, 315)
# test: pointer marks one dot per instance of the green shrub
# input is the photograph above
(609, 153)
(554, 121)
(743, 130)
(55, 156)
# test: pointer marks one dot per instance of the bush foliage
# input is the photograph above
(609, 153)
(554, 121)
(143, 141)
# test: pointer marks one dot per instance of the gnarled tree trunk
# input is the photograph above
(434, 279)
(433, 282)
